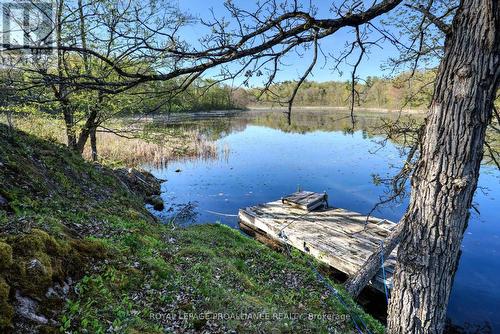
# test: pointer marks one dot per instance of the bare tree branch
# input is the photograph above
(446, 29)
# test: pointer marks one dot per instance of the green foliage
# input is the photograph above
(6, 310)
(384, 93)
(5, 255)
(202, 95)
(206, 269)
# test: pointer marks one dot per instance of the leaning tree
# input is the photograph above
(254, 41)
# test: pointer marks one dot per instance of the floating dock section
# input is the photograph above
(339, 238)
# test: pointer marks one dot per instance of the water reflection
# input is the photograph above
(303, 122)
(265, 159)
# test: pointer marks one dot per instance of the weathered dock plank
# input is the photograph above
(339, 238)
(306, 200)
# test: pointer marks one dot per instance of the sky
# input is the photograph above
(371, 65)
(296, 64)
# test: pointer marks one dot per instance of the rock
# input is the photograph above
(36, 265)
(65, 287)
(58, 291)
(51, 293)
(4, 204)
(27, 308)
(156, 201)
(140, 181)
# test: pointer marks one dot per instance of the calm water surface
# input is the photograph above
(262, 159)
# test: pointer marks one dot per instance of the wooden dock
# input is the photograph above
(339, 238)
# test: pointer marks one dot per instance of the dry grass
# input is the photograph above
(152, 146)
(43, 127)
(113, 149)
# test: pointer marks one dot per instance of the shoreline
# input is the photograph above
(209, 114)
(79, 251)
(325, 108)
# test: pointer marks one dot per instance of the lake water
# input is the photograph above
(261, 159)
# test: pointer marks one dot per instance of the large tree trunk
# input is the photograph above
(90, 128)
(90, 124)
(446, 175)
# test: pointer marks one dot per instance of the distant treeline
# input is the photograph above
(203, 95)
(404, 90)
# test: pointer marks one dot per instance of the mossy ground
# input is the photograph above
(67, 217)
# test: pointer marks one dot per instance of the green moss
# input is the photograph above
(33, 274)
(37, 241)
(6, 311)
(5, 255)
(48, 330)
(27, 245)
(195, 251)
(92, 248)
(39, 260)
(4, 290)
(52, 246)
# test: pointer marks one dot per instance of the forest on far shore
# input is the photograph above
(405, 91)
(402, 91)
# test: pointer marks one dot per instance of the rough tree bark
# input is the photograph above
(446, 174)
(90, 124)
